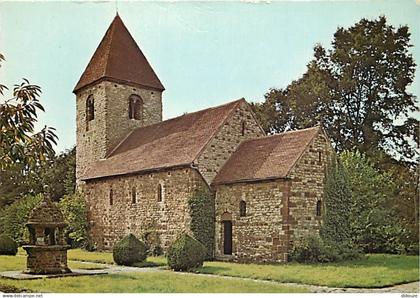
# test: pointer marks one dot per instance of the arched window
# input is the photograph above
(242, 208)
(111, 197)
(135, 107)
(133, 195)
(243, 126)
(319, 157)
(160, 192)
(90, 108)
(318, 208)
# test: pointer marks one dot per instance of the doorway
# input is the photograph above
(227, 237)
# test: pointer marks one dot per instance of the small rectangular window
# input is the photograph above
(242, 208)
(243, 126)
(318, 208)
(111, 197)
(160, 193)
(133, 195)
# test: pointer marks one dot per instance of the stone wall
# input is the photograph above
(259, 236)
(108, 223)
(97, 138)
(46, 260)
(278, 211)
(227, 140)
(119, 124)
(307, 188)
(90, 136)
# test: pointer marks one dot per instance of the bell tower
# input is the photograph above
(117, 92)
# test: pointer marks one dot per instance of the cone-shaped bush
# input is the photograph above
(186, 253)
(129, 250)
(8, 246)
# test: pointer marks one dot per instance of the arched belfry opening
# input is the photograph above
(135, 107)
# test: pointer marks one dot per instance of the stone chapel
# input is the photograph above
(138, 171)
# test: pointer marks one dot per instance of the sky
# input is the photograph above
(205, 53)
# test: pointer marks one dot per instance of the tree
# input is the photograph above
(20, 144)
(356, 90)
(58, 172)
(74, 211)
(374, 225)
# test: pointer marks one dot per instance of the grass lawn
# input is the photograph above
(377, 270)
(141, 282)
(150, 282)
(12, 263)
(97, 257)
(373, 271)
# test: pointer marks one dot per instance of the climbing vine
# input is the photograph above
(201, 206)
(337, 204)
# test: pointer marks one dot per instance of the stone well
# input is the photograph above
(47, 250)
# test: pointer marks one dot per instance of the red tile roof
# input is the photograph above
(265, 158)
(167, 144)
(120, 59)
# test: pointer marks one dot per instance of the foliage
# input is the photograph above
(73, 208)
(58, 172)
(8, 246)
(202, 219)
(186, 253)
(129, 250)
(152, 240)
(404, 201)
(373, 271)
(314, 249)
(355, 90)
(20, 144)
(374, 227)
(337, 204)
(14, 217)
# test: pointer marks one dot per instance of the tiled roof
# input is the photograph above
(264, 158)
(119, 58)
(46, 213)
(170, 143)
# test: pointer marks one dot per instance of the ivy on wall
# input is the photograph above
(201, 206)
(337, 204)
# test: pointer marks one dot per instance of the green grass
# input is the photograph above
(150, 282)
(147, 282)
(12, 263)
(376, 270)
(98, 257)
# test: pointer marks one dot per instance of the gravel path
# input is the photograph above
(413, 287)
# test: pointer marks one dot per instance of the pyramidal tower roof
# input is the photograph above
(119, 58)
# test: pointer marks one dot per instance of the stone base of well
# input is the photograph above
(46, 259)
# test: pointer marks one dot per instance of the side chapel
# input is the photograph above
(138, 172)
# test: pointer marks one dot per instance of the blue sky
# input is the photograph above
(205, 53)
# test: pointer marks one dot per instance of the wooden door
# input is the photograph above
(227, 237)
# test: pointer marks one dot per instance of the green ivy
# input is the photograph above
(202, 219)
(337, 204)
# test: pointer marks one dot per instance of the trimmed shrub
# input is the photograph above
(8, 246)
(129, 250)
(186, 253)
